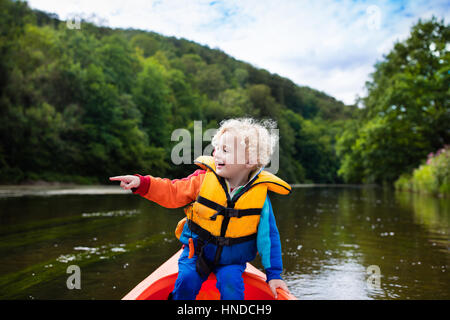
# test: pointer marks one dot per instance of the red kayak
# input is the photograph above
(161, 282)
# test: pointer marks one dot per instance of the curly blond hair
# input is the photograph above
(259, 138)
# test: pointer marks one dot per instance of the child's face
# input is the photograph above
(230, 157)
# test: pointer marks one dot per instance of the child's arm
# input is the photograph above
(268, 243)
(169, 193)
(269, 247)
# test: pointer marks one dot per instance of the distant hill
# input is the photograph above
(82, 104)
(301, 99)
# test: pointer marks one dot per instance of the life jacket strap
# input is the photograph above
(206, 236)
(229, 211)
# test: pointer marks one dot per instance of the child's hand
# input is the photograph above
(277, 283)
(127, 182)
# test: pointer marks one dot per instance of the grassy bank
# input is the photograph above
(432, 177)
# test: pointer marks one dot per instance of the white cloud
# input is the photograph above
(327, 45)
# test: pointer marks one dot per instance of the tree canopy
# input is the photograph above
(406, 113)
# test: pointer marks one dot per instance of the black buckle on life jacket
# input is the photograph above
(226, 212)
(231, 212)
(222, 241)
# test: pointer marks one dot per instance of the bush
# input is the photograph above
(404, 182)
(432, 177)
(424, 180)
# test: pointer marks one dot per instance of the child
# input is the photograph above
(229, 218)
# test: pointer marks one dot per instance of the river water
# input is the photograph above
(338, 242)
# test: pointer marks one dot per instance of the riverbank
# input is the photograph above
(312, 185)
(44, 188)
(42, 183)
(54, 189)
(46, 183)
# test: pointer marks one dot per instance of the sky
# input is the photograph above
(330, 46)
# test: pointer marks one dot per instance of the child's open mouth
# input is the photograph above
(220, 165)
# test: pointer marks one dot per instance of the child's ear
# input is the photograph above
(250, 165)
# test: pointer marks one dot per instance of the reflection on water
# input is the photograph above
(339, 280)
(330, 237)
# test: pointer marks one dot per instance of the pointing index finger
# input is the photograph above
(116, 178)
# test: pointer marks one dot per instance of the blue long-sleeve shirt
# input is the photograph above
(268, 242)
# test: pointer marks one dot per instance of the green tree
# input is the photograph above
(210, 80)
(351, 168)
(13, 16)
(118, 61)
(241, 76)
(184, 101)
(152, 96)
(406, 112)
(236, 102)
(412, 82)
(147, 43)
(262, 100)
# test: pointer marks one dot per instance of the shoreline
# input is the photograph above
(343, 185)
(56, 189)
(42, 183)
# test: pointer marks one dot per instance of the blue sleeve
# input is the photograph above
(268, 243)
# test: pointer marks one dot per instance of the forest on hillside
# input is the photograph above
(80, 105)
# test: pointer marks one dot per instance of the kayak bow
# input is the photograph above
(159, 284)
